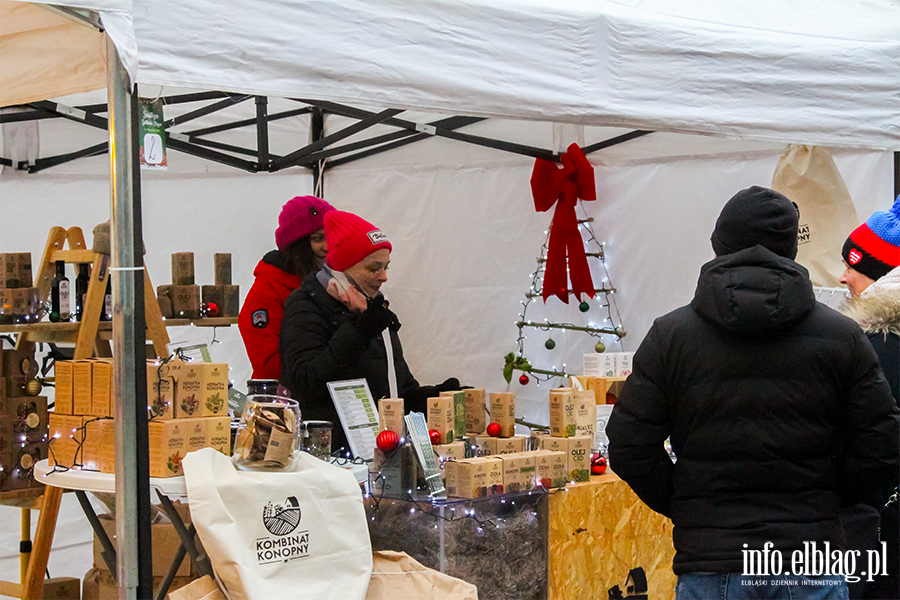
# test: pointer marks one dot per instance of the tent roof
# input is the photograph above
(807, 71)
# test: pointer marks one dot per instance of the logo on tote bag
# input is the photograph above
(282, 520)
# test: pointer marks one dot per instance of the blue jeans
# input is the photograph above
(734, 586)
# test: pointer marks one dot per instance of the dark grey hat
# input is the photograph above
(757, 216)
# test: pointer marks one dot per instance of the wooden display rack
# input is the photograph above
(88, 342)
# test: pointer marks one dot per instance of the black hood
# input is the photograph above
(276, 259)
(753, 290)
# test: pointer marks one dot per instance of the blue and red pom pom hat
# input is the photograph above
(873, 248)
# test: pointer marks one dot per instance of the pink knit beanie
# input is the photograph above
(351, 239)
(300, 217)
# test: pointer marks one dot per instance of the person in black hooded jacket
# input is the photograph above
(775, 406)
(333, 331)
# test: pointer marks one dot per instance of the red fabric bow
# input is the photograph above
(551, 185)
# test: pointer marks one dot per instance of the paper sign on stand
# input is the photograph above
(358, 415)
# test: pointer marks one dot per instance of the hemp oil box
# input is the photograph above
(390, 415)
(579, 459)
(562, 412)
(168, 441)
(585, 413)
(440, 417)
(551, 468)
(554, 443)
(445, 453)
(518, 472)
(474, 477)
(475, 412)
(459, 411)
(503, 412)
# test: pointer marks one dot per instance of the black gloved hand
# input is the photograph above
(376, 318)
(450, 385)
(416, 399)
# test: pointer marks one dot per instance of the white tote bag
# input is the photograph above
(296, 534)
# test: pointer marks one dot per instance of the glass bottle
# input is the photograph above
(106, 314)
(81, 288)
(59, 294)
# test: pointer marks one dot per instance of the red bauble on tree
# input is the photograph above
(523, 379)
(387, 441)
(493, 429)
(435, 436)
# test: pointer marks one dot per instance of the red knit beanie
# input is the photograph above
(300, 217)
(350, 239)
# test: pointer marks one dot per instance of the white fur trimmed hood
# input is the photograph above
(877, 310)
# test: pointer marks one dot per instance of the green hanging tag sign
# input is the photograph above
(153, 134)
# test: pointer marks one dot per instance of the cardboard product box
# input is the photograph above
(168, 445)
(440, 417)
(231, 302)
(24, 419)
(107, 446)
(23, 459)
(82, 387)
(9, 270)
(185, 301)
(562, 412)
(597, 385)
(64, 373)
(390, 415)
(579, 459)
(102, 394)
(65, 436)
(26, 304)
(99, 584)
(6, 310)
(585, 413)
(474, 477)
(222, 268)
(62, 588)
(160, 391)
(624, 363)
(91, 448)
(551, 468)
(183, 269)
(6, 470)
(164, 299)
(214, 389)
(219, 433)
(476, 411)
(503, 412)
(600, 365)
(554, 443)
(459, 412)
(518, 472)
(19, 363)
(196, 433)
(393, 472)
(189, 389)
(447, 452)
(23, 267)
(491, 446)
(213, 293)
(163, 538)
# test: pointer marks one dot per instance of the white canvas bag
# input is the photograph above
(296, 534)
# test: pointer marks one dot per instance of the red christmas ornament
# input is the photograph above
(493, 429)
(435, 436)
(598, 464)
(387, 441)
(611, 398)
(523, 379)
(212, 309)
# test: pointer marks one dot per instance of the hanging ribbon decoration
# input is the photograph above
(551, 185)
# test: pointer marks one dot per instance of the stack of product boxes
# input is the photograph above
(187, 408)
(20, 301)
(23, 420)
(182, 299)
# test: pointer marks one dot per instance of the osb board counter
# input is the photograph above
(598, 531)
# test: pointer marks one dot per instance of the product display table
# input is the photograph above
(598, 531)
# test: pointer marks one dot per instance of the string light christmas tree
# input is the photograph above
(565, 255)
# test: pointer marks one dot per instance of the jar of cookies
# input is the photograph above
(267, 435)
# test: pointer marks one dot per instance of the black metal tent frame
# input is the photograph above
(312, 156)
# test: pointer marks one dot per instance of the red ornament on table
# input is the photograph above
(493, 429)
(523, 379)
(598, 464)
(611, 398)
(212, 309)
(387, 441)
(435, 436)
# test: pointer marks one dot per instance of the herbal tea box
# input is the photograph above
(202, 390)
(160, 391)
(554, 443)
(219, 434)
(585, 413)
(459, 411)
(102, 397)
(390, 415)
(474, 477)
(503, 412)
(196, 433)
(168, 444)
(92, 446)
(64, 382)
(551, 468)
(518, 471)
(579, 459)
(440, 417)
(82, 394)
(107, 446)
(65, 437)
(562, 412)
(475, 411)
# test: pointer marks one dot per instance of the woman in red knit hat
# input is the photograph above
(337, 323)
(302, 248)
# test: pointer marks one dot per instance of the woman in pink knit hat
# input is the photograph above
(338, 326)
(302, 248)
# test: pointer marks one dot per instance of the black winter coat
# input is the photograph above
(776, 408)
(320, 343)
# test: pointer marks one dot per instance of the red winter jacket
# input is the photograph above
(260, 319)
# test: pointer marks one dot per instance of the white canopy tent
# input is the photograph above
(751, 78)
